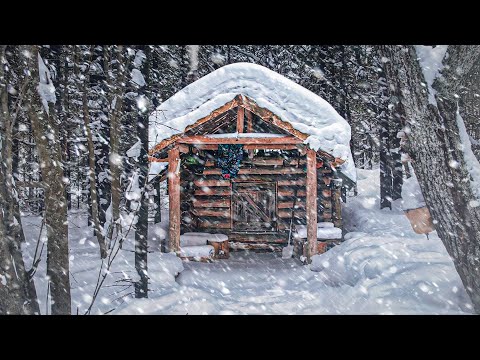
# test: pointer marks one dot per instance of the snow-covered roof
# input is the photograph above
(304, 110)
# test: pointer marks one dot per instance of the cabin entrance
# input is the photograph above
(254, 207)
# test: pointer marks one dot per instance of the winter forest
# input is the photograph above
(239, 179)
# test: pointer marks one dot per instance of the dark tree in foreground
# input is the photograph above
(437, 145)
(143, 108)
(42, 114)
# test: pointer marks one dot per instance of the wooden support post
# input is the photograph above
(250, 130)
(240, 119)
(311, 204)
(249, 122)
(174, 198)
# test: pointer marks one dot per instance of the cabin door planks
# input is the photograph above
(254, 207)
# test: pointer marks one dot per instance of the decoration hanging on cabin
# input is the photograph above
(229, 157)
(194, 161)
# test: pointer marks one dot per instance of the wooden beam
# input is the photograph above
(184, 148)
(250, 130)
(265, 161)
(203, 140)
(257, 171)
(208, 183)
(225, 213)
(216, 191)
(258, 238)
(249, 121)
(205, 224)
(288, 213)
(298, 182)
(291, 192)
(311, 204)
(289, 205)
(174, 198)
(154, 159)
(240, 119)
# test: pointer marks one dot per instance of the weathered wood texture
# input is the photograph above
(205, 140)
(240, 119)
(212, 196)
(254, 206)
(311, 204)
(174, 198)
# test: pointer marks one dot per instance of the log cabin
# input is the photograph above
(294, 170)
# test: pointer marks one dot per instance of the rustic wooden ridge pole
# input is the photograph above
(240, 119)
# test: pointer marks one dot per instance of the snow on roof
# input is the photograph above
(304, 110)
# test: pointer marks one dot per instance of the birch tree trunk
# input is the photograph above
(435, 146)
(47, 140)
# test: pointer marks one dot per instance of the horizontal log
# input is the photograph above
(254, 246)
(212, 212)
(265, 161)
(206, 191)
(298, 182)
(266, 177)
(258, 171)
(258, 238)
(203, 223)
(184, 148)
(288, 213)
(289, 205)
(290, 192)
(204, 140)
(221, 203)
(202, 182)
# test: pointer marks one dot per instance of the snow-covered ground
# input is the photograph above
(382, 268)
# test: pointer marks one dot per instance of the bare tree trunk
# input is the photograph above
(435, 146)
(46, 133)
(92, 178)
(17, 290)
(116, 165)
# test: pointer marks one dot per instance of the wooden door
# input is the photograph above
(254, 207)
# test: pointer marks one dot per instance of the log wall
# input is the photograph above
(206, 200)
